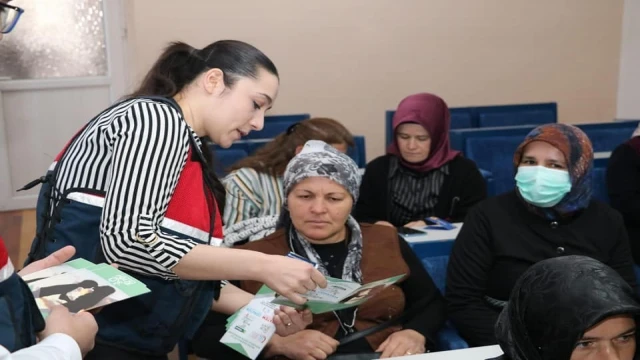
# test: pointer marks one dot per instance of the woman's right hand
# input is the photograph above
(304, 345)
(290, 277)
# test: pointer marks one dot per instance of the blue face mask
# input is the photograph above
(541, 186)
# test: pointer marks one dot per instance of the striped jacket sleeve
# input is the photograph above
(243, 200)
(150, 145)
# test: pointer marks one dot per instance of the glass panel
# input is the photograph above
(53, 39)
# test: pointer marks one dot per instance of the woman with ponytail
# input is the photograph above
(134, 187)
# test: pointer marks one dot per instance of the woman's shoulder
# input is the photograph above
(245, 174)
(462, 164)
(142, 109)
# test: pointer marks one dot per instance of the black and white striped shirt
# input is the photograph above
(135, 152)
(414, 195)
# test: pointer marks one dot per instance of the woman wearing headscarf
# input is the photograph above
(549, 214)
(623, 186)
(320, 186)
(254, 185)
(420, 176)
(569, 308)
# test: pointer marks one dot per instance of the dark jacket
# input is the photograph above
(462, 188)
(501, 239)
(623, 186)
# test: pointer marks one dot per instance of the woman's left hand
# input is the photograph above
(402, 343)
(416, 224)
(289, 321)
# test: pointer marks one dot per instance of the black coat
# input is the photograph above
(623, 186)
(462, 188)
(501, 239)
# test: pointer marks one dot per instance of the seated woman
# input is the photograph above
(572, 308)
(623, 186)
(254, 187)
(321, 185)
(549, 214)
(420, 176)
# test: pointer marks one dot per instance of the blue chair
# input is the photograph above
(448, 337)
(358, 152)
(492, 150)
(607, 136)
(461, 118)
(271, 130)
(292, 118)
(224, 158)
(512, 118)
(599, 184)
(254, 145)
(488, 178)
(459, 137)
(513, 115)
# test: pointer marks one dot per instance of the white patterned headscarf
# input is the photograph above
(319, 159)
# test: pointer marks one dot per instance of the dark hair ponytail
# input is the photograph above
(181, 63)
(174, 69)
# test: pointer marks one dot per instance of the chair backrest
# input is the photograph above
(224, 158)
(461, 119)
(607, 136)
(519, 114)
(599, 184)
(538, 117)
(492, 150)
(286, 118)
(274, 125)
(271, 130)
(459, 138)
(358, 152)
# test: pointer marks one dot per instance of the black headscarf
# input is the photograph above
(555, 302)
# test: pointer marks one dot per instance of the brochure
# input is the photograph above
(339, 294)
(82, 285)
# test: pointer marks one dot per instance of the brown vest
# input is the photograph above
(381, 259)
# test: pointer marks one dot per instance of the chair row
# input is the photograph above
(493, 116)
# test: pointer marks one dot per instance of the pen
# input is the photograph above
(298, 257)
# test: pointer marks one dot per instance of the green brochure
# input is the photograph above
(85, 288)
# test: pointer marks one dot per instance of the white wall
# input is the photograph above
(354, 59)
(629, 83)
